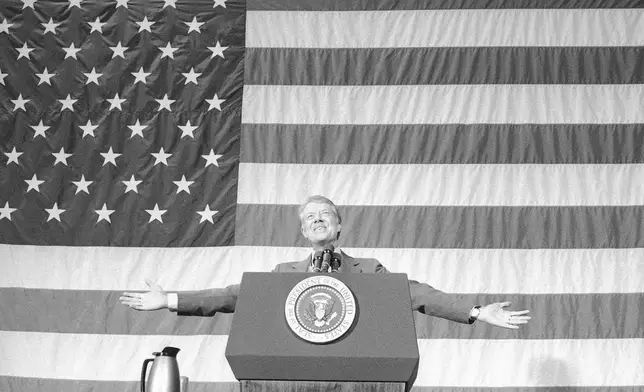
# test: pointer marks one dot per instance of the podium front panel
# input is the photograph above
(380, 346)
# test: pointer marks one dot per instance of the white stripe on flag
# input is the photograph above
(527, 271)
(538, 363)
(444, 104)
(108, 357)
(445, 185)
(574, 362)
(445, 28)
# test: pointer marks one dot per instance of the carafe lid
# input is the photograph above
(168, 352)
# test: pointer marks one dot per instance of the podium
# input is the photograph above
(378, 351)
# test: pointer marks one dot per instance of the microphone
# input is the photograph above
(335, 263)
(317, 261)
(327, 254)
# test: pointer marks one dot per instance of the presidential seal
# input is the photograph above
(320, 309)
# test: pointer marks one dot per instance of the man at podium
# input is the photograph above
(321, 225)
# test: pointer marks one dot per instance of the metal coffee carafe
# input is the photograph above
(164, 375)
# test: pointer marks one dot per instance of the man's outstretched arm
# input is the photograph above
(187, 303)
(433, 302)
(207, 302)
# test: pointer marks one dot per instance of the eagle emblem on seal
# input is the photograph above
(320, 310)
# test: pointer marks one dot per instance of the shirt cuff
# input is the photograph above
(173, 301)
(473, 318)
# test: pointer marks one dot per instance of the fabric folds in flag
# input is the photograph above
(492, 149)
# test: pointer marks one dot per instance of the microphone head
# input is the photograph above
(326, 257)
(335, 263)
(317, 261)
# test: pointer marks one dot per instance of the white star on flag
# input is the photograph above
(169, 3)
(188, 129)
(145, 25)
(168, 51)
(13, 156)
(67, 103)
(4, 26)
(28, 3)
(110, 157)
(19, 103)
(88, 129)
(92, 77)
(39, 129)
(118, 50)
(121, 3)
(34, 184)
(206, 214)
(215, 103)
(137, 129)
(131, 185)
(183, 185)
(25, 51)
(71, 51)
(75, 3)
(97, 25)
(50, 27)
(217, 50)
(61, 157)
(82, 185)
(140, 76)
(104, 214)
(155, 214)
(5, 212)
(211, 158)
(45, 77)
(116, 102)
(54, 212)
(219, 2)
(194, 25)
(161, 157)
(2, 76)
(165, 103)
(191, 76)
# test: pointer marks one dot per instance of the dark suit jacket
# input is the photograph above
(424, 298)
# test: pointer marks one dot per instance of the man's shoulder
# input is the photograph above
(366, 265)
(364, 261)
(289, 266)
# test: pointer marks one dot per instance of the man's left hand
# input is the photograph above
(495, 314)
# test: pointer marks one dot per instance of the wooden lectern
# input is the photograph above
(379, 352)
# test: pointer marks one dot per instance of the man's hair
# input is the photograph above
(322, 200)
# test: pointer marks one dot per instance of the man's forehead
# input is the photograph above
(315, 206)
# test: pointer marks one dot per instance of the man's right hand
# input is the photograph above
(154, 299)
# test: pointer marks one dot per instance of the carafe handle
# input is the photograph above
(143, 371)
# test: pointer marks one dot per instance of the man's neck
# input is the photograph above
(317, 247)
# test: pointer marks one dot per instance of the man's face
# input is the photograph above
(319, 224)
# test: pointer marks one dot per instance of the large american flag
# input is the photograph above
(489, 148)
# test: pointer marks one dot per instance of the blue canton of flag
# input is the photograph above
(120, 122)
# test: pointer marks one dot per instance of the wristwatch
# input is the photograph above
(474, 314)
